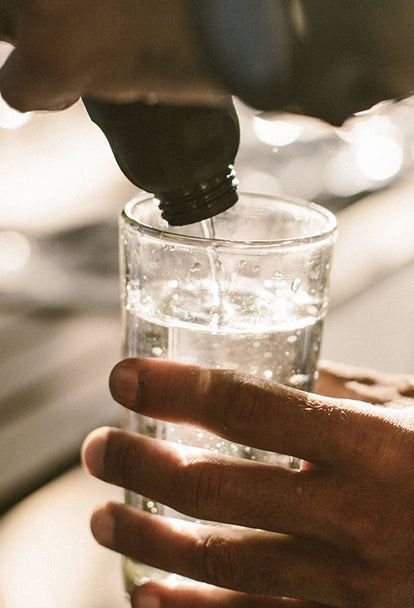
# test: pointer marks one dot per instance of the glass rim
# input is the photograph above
(168, 234)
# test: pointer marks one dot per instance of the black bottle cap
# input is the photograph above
(205, 200)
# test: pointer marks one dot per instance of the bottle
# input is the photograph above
(183, 155)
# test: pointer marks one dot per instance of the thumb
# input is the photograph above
(25, 86)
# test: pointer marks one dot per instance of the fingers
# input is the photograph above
(258, 413)
(24, 85)
(213, 487)
(349, 382)
(253, 562)
(203, 596)
(317, 504)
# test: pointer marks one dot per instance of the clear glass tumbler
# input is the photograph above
(246, 290)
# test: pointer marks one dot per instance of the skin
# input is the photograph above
(65, 49)
(338, 533)
(149, 50)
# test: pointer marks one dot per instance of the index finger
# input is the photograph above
(257, 412)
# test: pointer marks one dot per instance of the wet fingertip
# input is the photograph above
(123, 383)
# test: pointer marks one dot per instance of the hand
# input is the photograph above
(116, 50)
(338, 533)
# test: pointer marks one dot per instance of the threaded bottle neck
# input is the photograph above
(201, 201)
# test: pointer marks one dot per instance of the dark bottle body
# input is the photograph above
(181, 154)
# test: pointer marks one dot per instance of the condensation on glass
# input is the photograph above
(246, 290)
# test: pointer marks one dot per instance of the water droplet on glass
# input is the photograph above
(314, 272)
(295, 285)
(196, 267)
(292, 339)
(156, 351)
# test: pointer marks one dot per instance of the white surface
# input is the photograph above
(376, 239)
(370, 321)
(375, 328)
(54, 389)
(48, 557)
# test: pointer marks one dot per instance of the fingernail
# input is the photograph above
(123, 383)
(141, 598)
(103, 526)
(93, 451)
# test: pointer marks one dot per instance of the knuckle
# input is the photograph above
(358, 590)
(215, 562)
(241, 406)
(381, 528)
(18, 100)
(368, 586)
(369, 530)
(200, 482)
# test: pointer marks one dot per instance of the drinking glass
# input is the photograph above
(246, 290)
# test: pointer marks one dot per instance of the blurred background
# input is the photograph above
(61, 193)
